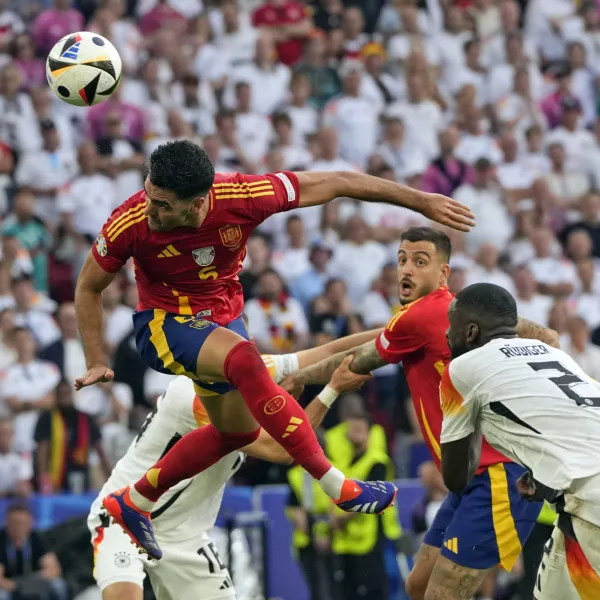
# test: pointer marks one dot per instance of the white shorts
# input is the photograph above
(189, 569)
(570, 567)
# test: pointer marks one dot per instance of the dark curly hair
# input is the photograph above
(182, 167)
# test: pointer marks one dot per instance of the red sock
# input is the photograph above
(277, 412)
(192, 454)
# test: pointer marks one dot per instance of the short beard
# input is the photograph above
(456, 351)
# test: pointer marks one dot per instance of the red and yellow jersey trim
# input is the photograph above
(125, 221)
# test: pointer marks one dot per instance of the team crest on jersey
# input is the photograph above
(204, 256)
(122, 560)
(101, 245)
(231, 236)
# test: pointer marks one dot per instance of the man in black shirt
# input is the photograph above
(28, 569)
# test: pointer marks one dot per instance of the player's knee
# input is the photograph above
(416, 585)
(244, 364)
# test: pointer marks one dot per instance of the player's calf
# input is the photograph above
(418, 579)
(123, 591)
(450, 581)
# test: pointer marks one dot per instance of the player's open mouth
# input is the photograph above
(406, 286)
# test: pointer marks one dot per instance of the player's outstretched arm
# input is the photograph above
(312, 356)
(529, 330)
(320, 188)
(365, 359)
(343, 380)
(92, 281)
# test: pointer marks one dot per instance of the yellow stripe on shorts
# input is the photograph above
(507, 538)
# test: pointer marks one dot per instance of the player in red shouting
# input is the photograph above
(488, 524)
(187, 232)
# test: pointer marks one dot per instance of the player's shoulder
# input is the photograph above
(233, 190)
(427, 309)
(128, 214)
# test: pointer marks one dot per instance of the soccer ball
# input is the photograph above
(83, 68)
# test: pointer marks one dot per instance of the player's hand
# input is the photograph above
(292, 387)
(98, 374)
(344, 380)
(448, 212)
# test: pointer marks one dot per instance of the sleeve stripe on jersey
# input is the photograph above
(126, 216)
(451, 399)
(247, 184)
(258, 192)
(117, 233)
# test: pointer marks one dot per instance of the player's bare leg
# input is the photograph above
(450, 581)
(123, 591)
(418, 579)
(227, 356)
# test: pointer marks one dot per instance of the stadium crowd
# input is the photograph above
(493, 102)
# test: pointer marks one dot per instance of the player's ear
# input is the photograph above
(445, 274)
(472, 333)
(198, 202)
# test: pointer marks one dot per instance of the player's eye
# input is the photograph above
(421, 262)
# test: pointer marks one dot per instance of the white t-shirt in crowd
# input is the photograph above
(27, 383)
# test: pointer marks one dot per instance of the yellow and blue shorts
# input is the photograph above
(486, 525)
(170, 343)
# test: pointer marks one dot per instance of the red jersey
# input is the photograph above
(417, 337)
(289, 13)
(190, 270)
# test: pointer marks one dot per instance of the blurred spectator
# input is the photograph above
(553, 274)
(277, 321)
(577, 141)
(31, 234)
(65, 439)
(531, 305)
(303, 115)
(354, 118)
(160, 16)
(23, 54)
(447, 173)
(46, 171)
(87, 201)
(268, 79)
(289, 23)
(424, 512)
(421, 115)
(293, 260)
(589, 210)
(378, 85)
(15, 470)
(295, 155)
(27, 388)
(487, 270)
(8, 353)
(12, 26)
(117, 316)
(332, 314)
(568, 185)
(311, 283)
(395, 152)
(33, 310)
(581, 349)
(54, 23)
(358, 260)
(324, 79)
(253, 129)
(258, 259)
(28, 568)
(486, 198)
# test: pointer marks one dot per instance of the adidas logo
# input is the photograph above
(452, 545)
(226, 584)
(168, 252)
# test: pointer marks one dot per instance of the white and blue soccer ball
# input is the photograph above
(83, 68)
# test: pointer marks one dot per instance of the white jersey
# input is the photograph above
(534, 404)
(192, 505)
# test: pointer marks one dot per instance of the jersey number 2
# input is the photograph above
(584, 393)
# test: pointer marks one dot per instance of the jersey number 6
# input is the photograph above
(569, 382)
